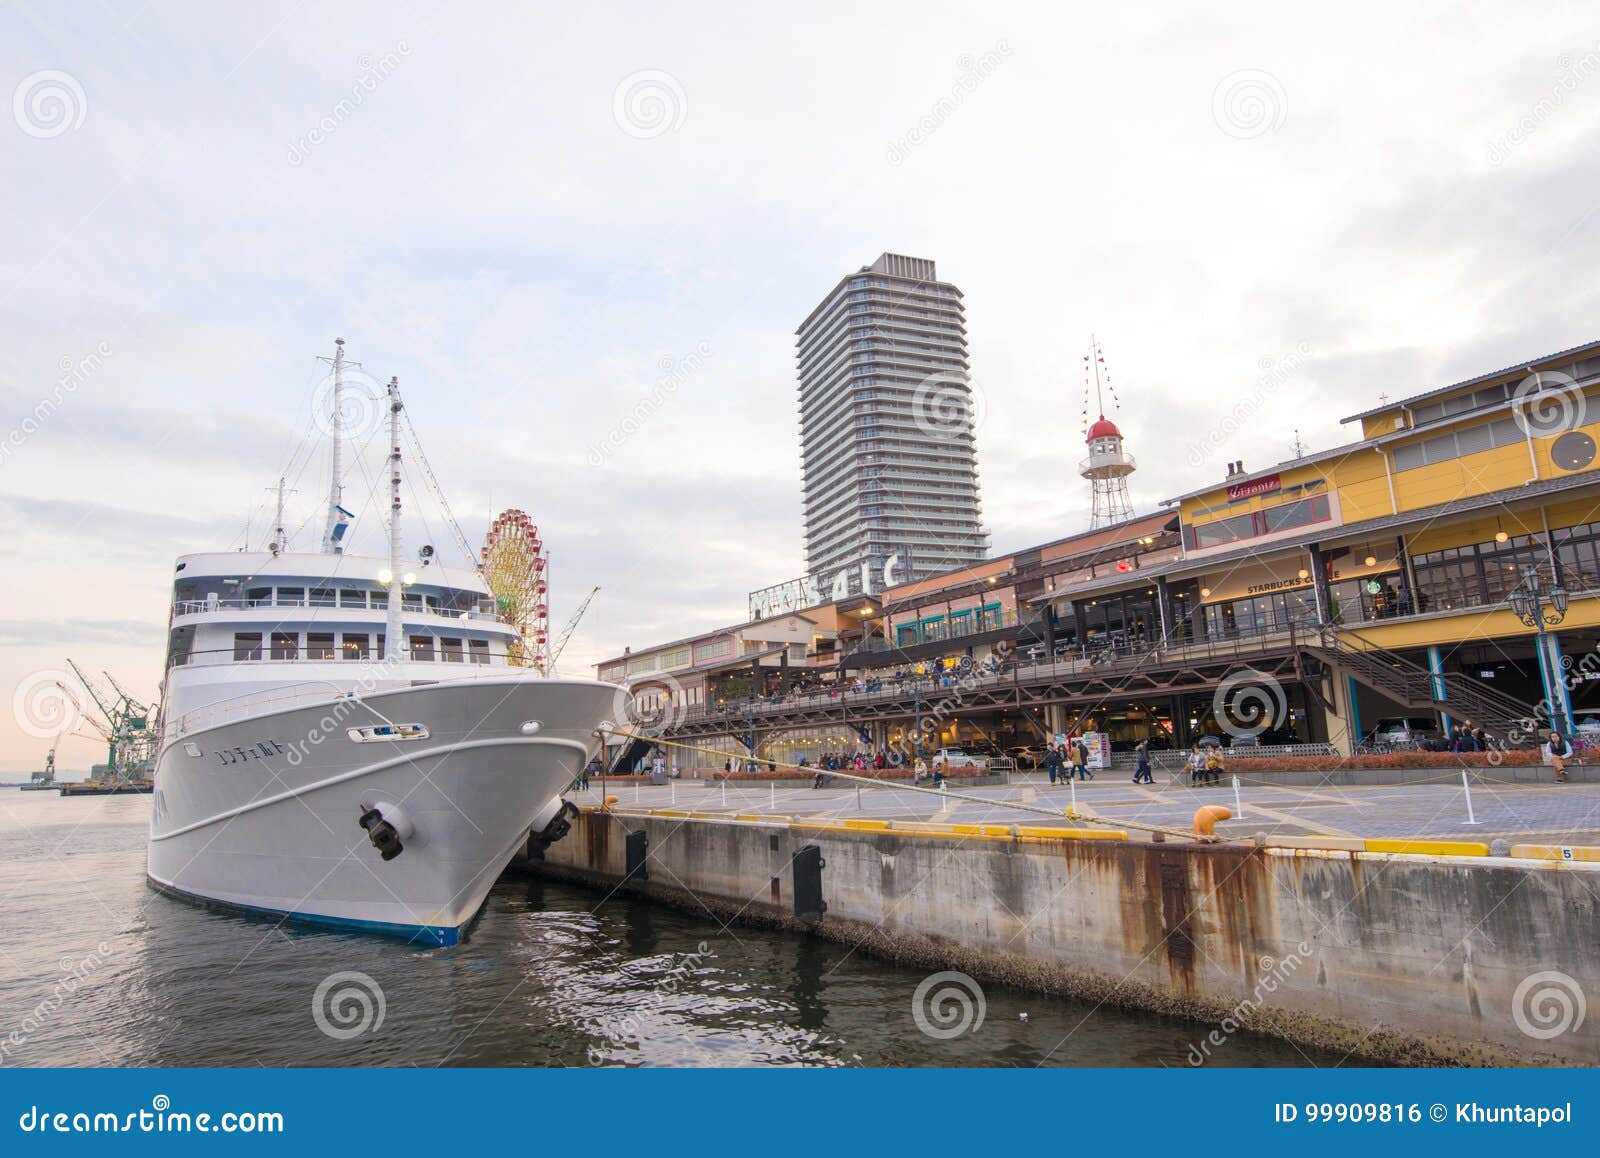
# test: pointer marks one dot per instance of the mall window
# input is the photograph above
(1458, 443)
(1578, 555)
(247, 645)
(1270, 521)
(1262, 614)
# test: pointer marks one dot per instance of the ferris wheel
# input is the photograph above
(515, 567)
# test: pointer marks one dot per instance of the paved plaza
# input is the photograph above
(1544, 813)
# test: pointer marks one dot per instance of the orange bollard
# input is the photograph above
(1205, 819)
(609, 801)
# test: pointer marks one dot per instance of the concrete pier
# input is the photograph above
(1387, 948)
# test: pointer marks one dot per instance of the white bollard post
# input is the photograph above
(636, 792)
(1238, 805)
(673, 784)
(858, 798)
(724, 793)
(773, 801)
(1467, 788)
(1073, 785)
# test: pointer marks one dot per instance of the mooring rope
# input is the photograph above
(1071, 813)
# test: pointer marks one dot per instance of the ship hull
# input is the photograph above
(265, 814)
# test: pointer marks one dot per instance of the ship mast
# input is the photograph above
(279, 538)
(330, 536)
(392, 642)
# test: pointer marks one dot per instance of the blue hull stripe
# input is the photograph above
(427, 934)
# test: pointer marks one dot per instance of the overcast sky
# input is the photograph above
(539, 216)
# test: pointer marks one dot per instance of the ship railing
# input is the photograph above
(482, 611)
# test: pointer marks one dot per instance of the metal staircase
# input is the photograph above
(1414, 686)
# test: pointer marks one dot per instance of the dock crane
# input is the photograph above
(566, 632)
(130, 741)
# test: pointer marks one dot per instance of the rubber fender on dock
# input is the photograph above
(1205, 819)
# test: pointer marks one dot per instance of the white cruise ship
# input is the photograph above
(331, 753)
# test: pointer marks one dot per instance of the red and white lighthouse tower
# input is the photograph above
(1109, 464)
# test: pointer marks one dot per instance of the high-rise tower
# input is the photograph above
(1108, 466)
(887, 420)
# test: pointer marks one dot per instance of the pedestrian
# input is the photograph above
(1080, 760)
(1052, 762)
(1214, 765)
(1559, 752)
(1142, 774)
(919, 771)
(1197, 763)
(592, 768)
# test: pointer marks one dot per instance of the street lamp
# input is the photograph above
(1527, 600)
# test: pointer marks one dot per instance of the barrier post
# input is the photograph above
(1072, 784)
(724, 793)
(773, 802)
(1467, 788)
(1238, 806)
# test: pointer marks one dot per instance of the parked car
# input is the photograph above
(1406, 731)
(1025, 756)
(959, 760)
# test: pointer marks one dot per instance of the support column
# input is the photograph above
(1436, 666)
(1556, 694)
(1164, 608)
(1180, 721)
(1408, 574)
(1319, 583)
(1344, 730)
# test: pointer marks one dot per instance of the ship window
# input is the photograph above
(319, 645)
(247, 645)
(322, 597)
(422, 648)
(285, 645)
(351, 597)
(291, 596)
(259, 597)
(478, 650)
(410, 602)
(356, 645)
(450, 650)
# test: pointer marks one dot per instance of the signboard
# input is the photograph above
(1264, 485)
(872, 577)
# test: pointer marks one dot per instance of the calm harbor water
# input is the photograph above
(99, 970)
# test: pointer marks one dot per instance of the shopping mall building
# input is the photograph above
(1399, 575)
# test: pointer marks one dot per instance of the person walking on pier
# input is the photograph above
(1141, 774)
(592, 768)
(1052, 762)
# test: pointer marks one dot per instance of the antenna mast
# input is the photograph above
(330, 536)
(392, 644)
(280, 538)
